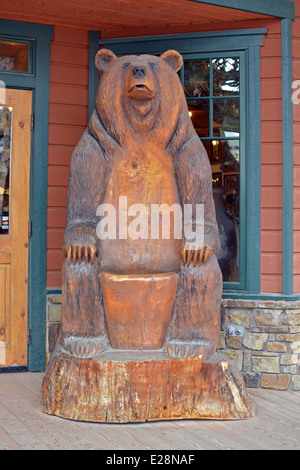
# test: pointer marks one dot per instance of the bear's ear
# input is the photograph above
(173, 59)
(103, 58)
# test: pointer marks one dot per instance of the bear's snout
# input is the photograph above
(139, 82)
(139, 72)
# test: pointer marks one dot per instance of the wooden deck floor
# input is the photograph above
(24, 426)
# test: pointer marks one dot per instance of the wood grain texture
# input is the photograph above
(14, 246)
(138, 321)
(119, 14)
(115, 389)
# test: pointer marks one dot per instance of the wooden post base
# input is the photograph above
(132, 386)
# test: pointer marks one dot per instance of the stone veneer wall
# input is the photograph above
(268, 352)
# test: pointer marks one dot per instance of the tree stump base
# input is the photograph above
(131, 386)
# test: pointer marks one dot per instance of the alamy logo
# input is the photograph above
(140, 222)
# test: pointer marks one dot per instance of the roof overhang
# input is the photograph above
(122, 17)
(278, 8)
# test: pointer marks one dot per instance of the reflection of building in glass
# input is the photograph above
(212, 90)
(5, 145)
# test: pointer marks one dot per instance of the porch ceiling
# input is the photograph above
(108, 15)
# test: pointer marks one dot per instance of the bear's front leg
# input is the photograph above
(83, 329)
(195, 325)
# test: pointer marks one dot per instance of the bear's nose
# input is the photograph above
(139, 72)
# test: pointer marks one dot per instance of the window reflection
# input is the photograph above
(226, 76)
(196, 78)
(199, 114)
(14, 56)
(224, 159)
(226, 115)
(5, 155)
(212, 88)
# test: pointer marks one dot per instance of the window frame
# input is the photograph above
(32, 53)
(247, 43)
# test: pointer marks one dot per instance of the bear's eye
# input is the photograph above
(152, 65)
(126, 65)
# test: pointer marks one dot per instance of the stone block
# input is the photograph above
(247, 361)
(266, 364)
(294, 329)
(276, 382)
(267, 317)
(293, 304)
(276, 347)
(264, 353)
(271, 304)
(240, 317)
(289, 369)
(296, 382)
(54, 298)
(295, 347)
(289, 338)
(293, 320)
(54, 312)
(293, 311)
(234, 342)
(222, 340)
(255, 341)
(288, 359)
(276, 329)
(239, 303)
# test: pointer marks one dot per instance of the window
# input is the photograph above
(212, 86)
(221, 79)
(16, 56)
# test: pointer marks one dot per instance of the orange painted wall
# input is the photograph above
(68, 117)
(296, 109)
(271, 158)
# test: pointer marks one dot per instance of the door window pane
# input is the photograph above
(14, 56)
(5, 153)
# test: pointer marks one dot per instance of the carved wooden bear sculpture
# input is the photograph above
(140, 144)
(140, 313)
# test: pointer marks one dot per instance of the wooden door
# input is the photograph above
(15, 141)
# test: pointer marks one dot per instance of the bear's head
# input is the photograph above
(140, 94)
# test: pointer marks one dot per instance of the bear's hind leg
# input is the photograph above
(195, 325)
(83, 329)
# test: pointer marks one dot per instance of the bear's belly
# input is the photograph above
(141, 235)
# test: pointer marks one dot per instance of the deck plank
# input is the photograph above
(23, 425)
